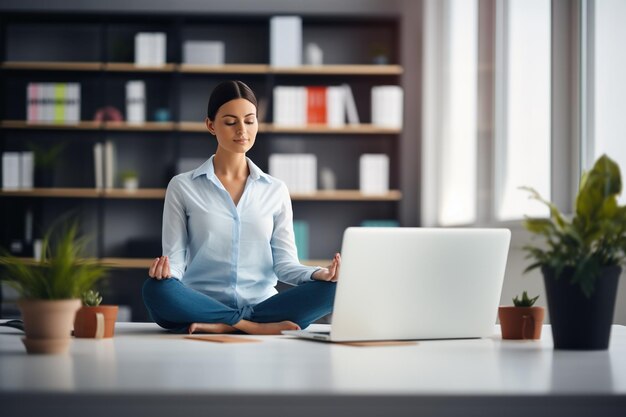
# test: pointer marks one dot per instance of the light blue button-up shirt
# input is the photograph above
(235, 254)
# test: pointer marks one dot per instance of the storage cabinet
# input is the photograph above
(96, 50)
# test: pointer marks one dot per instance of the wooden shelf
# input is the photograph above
(23, 124)
(52, 66)
(159, 193)
(144, 127)
(347, 195)
(53, 193)
(224, 69)
(339, 70)
(362, 129)
(131, 67)
(207, 69)
(142, 193)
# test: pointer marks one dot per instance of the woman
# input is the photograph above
(228, 237)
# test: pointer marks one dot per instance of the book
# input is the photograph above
(109, 164)
(335, 107)
(374, 173)
(10, 170)
(98, 153)
(297, 171)
(286, 41)
(301, 234)
(387, 106)
(203, 52)
(351, 111)
(27, 169)
(150, 48)
(135, 102)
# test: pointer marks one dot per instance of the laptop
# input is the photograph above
(416, 283)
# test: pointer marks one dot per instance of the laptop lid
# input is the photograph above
(419, 283)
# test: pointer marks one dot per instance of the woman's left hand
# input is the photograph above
(331, 272)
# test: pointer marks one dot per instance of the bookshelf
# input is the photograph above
(101, 61)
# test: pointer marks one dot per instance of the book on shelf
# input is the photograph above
(299, 106)
(18, 170)
(297, 171)
(109, 164)
(374, 173)
(380, 223)
(286, 41)
(98, 153)
(351, 111)
(301, 235)
(203, 52)
(136, 102)
(150, 48)
(387, 106)
(53, 102)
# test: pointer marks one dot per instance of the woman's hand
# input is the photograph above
(160, 268)
(331, 272)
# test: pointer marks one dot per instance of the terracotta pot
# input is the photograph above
(521, 322)
(95, 322)
(48, 324)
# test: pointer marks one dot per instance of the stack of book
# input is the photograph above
(104, 165)
(150, 48)
(298, 171)
(326, 105)
(203, 52)
(387, 106)
(17, 170)
(374, 174)
(286, 41)
(53, 102)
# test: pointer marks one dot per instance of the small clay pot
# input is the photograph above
(521, 322)
(95, 322)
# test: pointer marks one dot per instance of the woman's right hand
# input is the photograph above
(160, 268)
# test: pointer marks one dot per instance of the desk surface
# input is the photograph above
(144, 362)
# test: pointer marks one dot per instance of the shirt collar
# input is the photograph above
(209, 170)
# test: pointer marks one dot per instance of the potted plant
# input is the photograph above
(50, 288)
(522, 320)
(130, 179)
(581, 261)
(45, 160)
(93, 320)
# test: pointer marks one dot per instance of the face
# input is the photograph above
(235, 126)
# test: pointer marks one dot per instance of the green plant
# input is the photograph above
(62, 272)
(525, 301)
(128, 174)
(91, 298)
(593, 239)
(46, 158)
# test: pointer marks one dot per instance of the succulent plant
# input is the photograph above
(525, 301)
(91, 298)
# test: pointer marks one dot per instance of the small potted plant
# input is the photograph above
(522, 320)
(50, 288)
(45, 161)
(93, 320)
(130, 179)
(581, 259)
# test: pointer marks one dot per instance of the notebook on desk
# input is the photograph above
(417, 283)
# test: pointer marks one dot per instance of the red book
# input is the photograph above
(316, 105)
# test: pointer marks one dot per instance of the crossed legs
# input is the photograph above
(178, 308)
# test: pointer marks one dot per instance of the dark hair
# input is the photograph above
(227, 91)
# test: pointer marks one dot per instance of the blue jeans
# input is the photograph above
(174, 306)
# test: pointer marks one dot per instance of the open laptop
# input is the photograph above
(417, 283)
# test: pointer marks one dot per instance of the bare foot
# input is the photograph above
(211, 328)
(251, 327)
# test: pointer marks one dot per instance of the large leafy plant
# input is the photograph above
(62, 273)
(593, 239)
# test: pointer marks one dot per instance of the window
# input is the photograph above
(607, 83)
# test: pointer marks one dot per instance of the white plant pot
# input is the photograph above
(131, 184)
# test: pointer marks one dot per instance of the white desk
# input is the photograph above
(146, 372)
